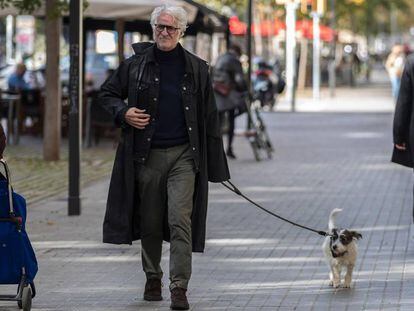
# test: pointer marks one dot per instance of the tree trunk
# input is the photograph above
(53, 107)
(120, 28)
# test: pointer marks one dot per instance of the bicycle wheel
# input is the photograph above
(255, 147)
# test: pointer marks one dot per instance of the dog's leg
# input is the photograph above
(348, 276)
(336, 275)
(330, 278)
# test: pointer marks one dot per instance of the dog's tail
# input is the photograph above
(332, 218)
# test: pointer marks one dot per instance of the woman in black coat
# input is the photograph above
(229, 72)
(403, 132)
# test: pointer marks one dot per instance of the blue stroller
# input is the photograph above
(18, 263)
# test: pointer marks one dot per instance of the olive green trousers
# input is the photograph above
(166, 181)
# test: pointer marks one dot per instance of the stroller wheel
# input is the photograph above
(27, 298)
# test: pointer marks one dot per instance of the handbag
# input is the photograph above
(402, 157)
(234, 100)
(221, 88)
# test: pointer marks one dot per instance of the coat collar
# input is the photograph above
(147, 49)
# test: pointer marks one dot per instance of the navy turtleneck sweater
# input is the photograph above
(170, 127)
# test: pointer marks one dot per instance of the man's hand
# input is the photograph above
(400, 146)
(137, 118)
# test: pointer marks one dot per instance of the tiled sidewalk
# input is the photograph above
(39, 180)
(253, 261)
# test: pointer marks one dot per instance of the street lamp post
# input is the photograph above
(318, 9)
(316, 73)
(75, 99)
(291, 7)
(332, 63)
(249, 45)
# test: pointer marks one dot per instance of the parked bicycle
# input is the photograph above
(257, 133)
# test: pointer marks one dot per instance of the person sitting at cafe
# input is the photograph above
(16, 81)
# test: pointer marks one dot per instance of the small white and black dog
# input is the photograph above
(340, 250)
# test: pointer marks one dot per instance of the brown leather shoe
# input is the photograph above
(153, 290)
(179, 299)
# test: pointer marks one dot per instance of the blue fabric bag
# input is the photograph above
(17, 258)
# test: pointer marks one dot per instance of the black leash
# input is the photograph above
(234, 189)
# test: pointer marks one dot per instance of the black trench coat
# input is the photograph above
(122, 220)
(403, 131)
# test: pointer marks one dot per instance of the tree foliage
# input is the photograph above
(367, 17)
(24, 6)
(370, 17)
(226, 7)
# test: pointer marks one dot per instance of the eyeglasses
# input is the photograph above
(170, 29)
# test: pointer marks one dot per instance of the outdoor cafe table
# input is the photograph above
(12, 103)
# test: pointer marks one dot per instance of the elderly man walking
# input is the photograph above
(170, 148)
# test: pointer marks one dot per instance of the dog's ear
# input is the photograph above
(356, 235)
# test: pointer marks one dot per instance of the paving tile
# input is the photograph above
(253, 261)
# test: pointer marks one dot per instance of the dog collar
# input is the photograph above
(335, 255)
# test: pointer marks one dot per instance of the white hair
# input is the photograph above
(178, 13)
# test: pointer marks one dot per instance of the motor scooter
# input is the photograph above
(264, 89)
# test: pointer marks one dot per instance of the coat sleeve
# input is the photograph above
(113, 93)
(403, 108)
(239, 79)
(218, 170)
(2, 141)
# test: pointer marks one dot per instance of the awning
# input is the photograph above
(272, 28)
(134, 10)
(118, 9)
(266, 28)
(237, 27)
(305, 26)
